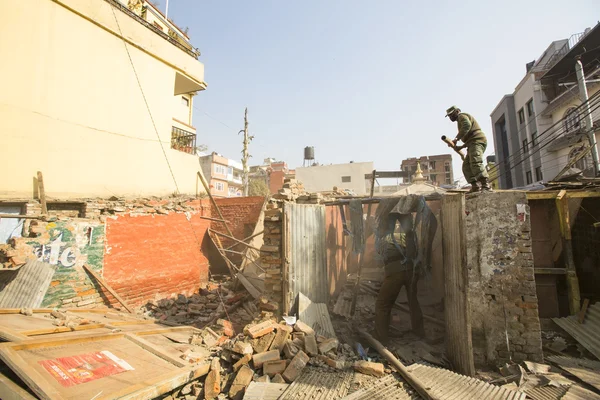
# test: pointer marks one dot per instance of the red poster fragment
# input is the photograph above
(70, 371)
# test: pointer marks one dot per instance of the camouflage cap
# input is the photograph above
(451, 110)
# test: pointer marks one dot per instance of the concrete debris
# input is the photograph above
(369, 368)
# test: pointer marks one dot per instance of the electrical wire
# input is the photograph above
(164, 152)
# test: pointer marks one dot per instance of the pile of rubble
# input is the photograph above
(266, 351)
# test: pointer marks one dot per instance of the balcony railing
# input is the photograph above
(560, 53)
(189, 50)
(183, 141)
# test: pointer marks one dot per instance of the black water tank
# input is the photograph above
(309, 153)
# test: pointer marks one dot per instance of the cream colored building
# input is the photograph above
(90, 90)
(351, 176)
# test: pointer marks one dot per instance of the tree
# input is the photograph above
(258, 187)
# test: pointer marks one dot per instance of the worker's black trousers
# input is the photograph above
(390, 288)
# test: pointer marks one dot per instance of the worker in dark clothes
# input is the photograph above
(399, 261)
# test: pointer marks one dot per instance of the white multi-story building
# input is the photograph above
(538, 128)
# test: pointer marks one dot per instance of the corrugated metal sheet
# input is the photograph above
(588, 333)
(319, 384)
(316, 316)
(264, 391)
(25, 287)
(308, 252)
(578, 393)
(449, 385)
(586, 370)
(547, 392)
(388, 387)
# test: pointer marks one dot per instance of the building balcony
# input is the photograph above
(183, 141)
(172, 37)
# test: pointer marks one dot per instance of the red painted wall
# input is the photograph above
(155, 256)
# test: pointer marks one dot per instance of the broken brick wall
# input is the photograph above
(241, 214)
(150, 257)
(271, 256)
(501, 290)
(69, 242)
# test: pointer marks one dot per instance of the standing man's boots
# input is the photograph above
(475, 188)
(485, 184)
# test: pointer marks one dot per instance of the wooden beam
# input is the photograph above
(12, 335)
(212, 200)
(584, 308)
(107, 287)
(234, 239)
(550, 271)
(40, 179)
(412, 380)
(156, 350)
(217, 243)
(562, 207)
(541, 195)
(213, 219)
(9, 390)
(246, 239)
(20, 216)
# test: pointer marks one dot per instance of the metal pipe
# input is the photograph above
(453, 146)
(589, 123)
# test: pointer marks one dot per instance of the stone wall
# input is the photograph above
(502, 292)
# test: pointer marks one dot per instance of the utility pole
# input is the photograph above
(583, 95)
(245, 154)
(167, 11)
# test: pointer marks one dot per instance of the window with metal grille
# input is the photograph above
(521, 116)
(530, 108)
(534, 139)
(572, 121)
(525, 146)
(183, 140)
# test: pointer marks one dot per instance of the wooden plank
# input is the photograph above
(107, 287)
(156, 350)
(246, 239)
(550, 271)
(213, 219)
(562, 207)
(249, 286)
(36, 382)
(60, 329)
(11, 335)
(154, 388)
(584, 308)
(457, 312)
(9, 390)
(545, 195)
(40, 179)
(162, 331)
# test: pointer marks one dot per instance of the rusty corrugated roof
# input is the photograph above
(588, 333)
(388, 387)
(547, 392)
(316, 316)
(319, 384)
(586, 370)
(27, 286)
(446, 384)
(578, 393)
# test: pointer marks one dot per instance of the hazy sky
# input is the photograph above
(362, 80)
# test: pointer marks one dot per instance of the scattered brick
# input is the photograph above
(259, 359)
(212, 384)
(241, 362)
(310, 345)
(302, 327)
(369, 368)
(263, 343)
(282, 335)
(290, 349)
(278, 379)
(328, 345)
(272, 368)
(264, 378)
(296, 366)
(241, 382)
(210, 337)
(243, 348)
(259, 330)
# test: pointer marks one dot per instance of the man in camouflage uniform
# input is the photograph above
(470, 133)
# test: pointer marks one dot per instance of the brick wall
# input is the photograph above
(155, 256)
(501, 280)
(241, 214)
(276, 179)
(271, 253)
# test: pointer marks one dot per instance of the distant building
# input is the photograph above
(343, 176)
(272, 172)
(224, 175)
(436, 169)
(538, 129)
(492, 171)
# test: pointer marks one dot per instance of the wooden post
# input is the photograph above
(456, 280)
(107, 287)
(562, 206)
(361, 256)
(40, 179)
